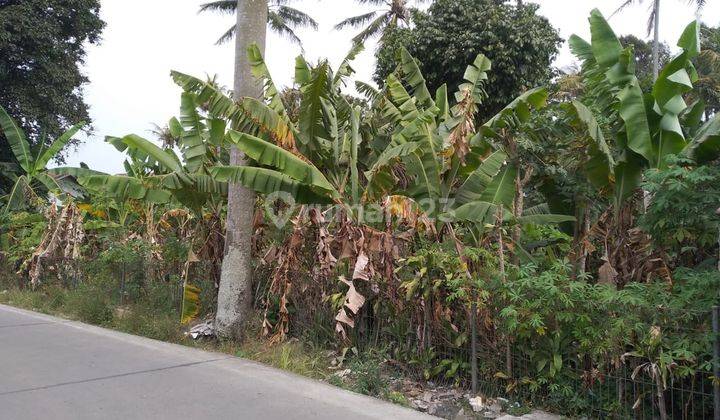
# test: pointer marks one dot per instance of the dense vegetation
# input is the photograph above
(569, 240)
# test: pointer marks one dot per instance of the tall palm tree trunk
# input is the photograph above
(656, 40)
(235, 293)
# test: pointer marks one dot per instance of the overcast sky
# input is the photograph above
(130, 88)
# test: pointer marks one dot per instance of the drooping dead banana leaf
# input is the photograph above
(190, 303)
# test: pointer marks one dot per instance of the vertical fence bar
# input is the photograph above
(122, 284)
(473, 348)
(716, 359)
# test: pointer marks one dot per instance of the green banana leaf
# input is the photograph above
(705, 146)
(502, 188)
(479, 180)
(192, 144)
(311, 123)
(475, 77)
(545, 219)
(605, 45)
(18, 143)
(441, 101)
(18, 193)
(268, 181)
(479, 212)
(628, 177)
(345, 70)
(285, 162)
(302, 71)
(390, 154)
(674, 82)
(414, 78)
(516, 111)
(249, 115)
(355, 141)
(262, 73)
(403, 103)
(600, 164)
(123, 188)
(56, 146)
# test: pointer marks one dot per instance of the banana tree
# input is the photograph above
(156, 175)
(33, 162)
(461, 173)
(328, 133)
(200, 140)
(137, 188)
(646, 127)
(438, 146)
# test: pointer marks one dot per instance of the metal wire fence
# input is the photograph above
(638, 386)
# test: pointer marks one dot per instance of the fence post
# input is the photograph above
(473, 348)
(122, 283)
(716, 359)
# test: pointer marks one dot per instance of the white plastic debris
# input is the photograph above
(203, 329)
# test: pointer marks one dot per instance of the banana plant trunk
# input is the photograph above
(235, 291)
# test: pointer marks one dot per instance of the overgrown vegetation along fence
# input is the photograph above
(574, 347)
(606, 392)
(545, 370)
(628, 386)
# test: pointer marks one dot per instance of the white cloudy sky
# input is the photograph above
(130, 88)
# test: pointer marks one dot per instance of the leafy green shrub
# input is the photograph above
(682, 216)
(20, 234)
(560, 327)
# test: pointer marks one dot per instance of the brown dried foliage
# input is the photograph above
(628, 252)
(62, 239)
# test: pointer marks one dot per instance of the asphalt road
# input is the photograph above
(52, 368)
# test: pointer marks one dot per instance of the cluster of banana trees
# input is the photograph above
(405, 150)
(627, 131)
(421, 156)
(648, 126)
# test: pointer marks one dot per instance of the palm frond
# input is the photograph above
(374, 29)
(356, 21)
(624, 5)
(280, 26)
(699, 3)
(651, 20)
(227, 36)
(296, 18)
(221, 6)
(281, 19)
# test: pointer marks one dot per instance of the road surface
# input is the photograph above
(52, 368)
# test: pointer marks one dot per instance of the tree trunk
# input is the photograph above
(235, 292)
(656, 41)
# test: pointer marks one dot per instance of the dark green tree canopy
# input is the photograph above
(42, 46)
(521, 45)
